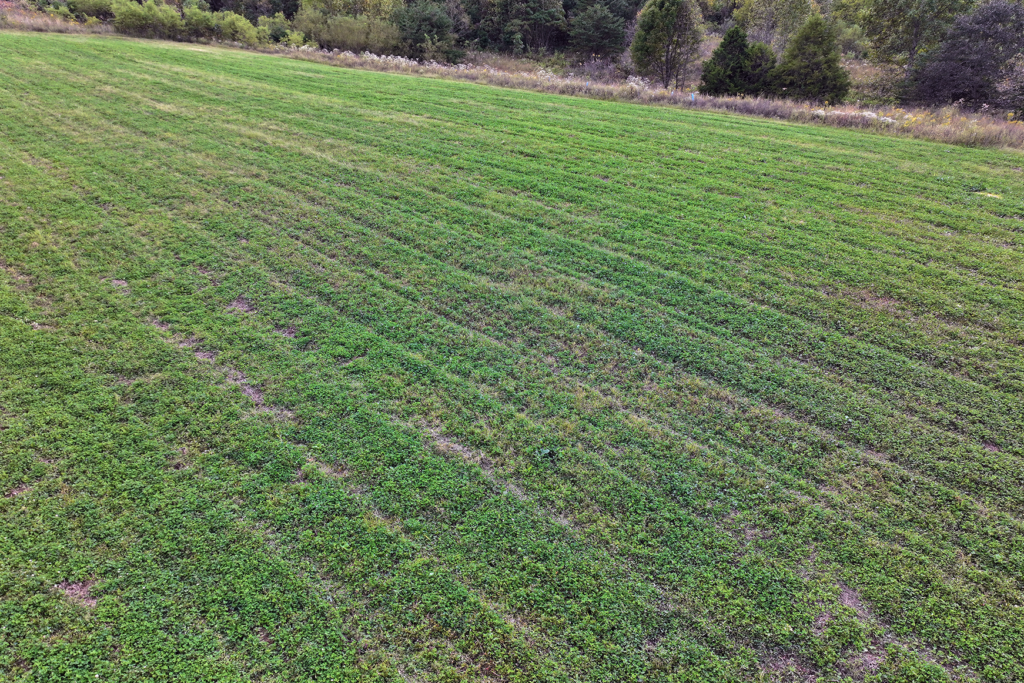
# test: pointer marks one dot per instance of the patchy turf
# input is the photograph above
(315, 374)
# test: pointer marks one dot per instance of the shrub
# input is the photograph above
(198, 24)
(101, 9)
(151, 20)
(231, 26)
(852, 39)
(355, 34)
(810, 66)
(968, 63)
(668, 34)
(426, 31)
(597, 31)
(273, 29)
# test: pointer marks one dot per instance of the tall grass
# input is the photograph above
(30, 20)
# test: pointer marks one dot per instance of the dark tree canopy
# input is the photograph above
(810, 67)
(762, 66)
(426, 29)
(726, 73)
(737, 67)
(597, 31)
(968, 63)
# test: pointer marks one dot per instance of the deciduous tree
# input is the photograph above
(668, 34)
(901, 30)
(969, 61)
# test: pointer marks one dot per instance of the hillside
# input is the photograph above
(313, 374)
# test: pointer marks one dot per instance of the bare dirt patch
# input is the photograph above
(786, 667)
(874, 302)
(241, 304)
(78, 592)
(17, 491)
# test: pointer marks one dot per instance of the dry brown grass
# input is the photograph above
(21, 18)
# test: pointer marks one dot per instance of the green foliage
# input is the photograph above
(668, 34)
(761, 70)
(311, 373)
(235, 27)
(150, 19)
(380, 10)
(773, 21)
(727, 72)
(426, 31)
(197, 24)
(596, 31)
(901, 30)
(521, 24)
(851, 39)
(810, 67)
(101, 9)
(356, 34)
(274, 29)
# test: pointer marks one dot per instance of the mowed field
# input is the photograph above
(309, 374)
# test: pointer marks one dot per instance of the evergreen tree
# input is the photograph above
(726, 73)
(596, 31)
(759, 74)
(810, 66)
(668, 34)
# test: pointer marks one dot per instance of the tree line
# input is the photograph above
(969, 52)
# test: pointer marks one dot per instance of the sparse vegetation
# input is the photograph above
(311, 373)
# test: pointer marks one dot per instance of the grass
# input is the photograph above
(310, 373)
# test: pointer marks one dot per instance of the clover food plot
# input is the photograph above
(371, 377)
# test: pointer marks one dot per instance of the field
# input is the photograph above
(314, 374)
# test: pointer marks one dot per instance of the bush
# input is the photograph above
(426, 31)
(810, 66)
(355, 34)
(597, 31)
(198, 24)
(273, 29)
(967, 65)
(150, 20)
(852, 39)
(231, 26)
(101, 9)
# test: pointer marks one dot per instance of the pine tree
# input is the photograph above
(759, 73)
(810, 66)
(597, 31)
(727, 71)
